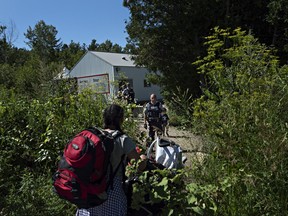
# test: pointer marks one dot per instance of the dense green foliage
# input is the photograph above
(27, 71)
(243, 114)
(168, 35)
(32, 134)
(241, 110)
(242, 117)
(42, 40)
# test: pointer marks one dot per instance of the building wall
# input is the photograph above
(137, 74)
(90, 65)
(87, 71)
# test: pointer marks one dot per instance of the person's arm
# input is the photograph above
(161, 106)
(145, 119)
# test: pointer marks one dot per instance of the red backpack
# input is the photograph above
(81, 177)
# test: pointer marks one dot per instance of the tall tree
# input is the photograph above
(5, 44)
(108, 46)
(71, 53)
(42, 39)
(93, 45)
(168, 34)
(278, 17)
(8, 52)
(167, 37)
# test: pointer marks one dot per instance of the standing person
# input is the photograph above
(116, 204)
(152, 115)
(165, 122)
(120, 92)
(128, 94)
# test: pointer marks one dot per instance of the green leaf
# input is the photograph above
(164, 182)
(192, 199)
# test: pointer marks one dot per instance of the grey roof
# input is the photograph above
(115, 59)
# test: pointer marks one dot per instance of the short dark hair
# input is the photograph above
(153, 96)
(113, 116)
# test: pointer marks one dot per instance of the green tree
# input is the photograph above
(93, 45)
(129, 48)
(278, 17)
(243, 113)
(10, 57)
(42, 39)
(108, 46)
(7, 76)
(5, 45)
(71, 53)
(168, 35)
(167, 38)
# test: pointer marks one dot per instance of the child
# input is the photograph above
(165, 122)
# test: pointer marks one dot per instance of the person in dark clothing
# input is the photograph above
(165, 122)
(128, 94)
(120, 92)
(152, 115)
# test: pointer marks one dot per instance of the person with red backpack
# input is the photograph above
(152, 115)
(124, 148)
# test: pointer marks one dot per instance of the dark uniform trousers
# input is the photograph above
(152, 123)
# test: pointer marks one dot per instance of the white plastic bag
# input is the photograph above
(169, 156)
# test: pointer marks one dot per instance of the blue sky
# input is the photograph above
(80, 21)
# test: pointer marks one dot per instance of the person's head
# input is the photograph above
(153, 98)
(113, 117)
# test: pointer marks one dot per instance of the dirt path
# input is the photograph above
(188, 142)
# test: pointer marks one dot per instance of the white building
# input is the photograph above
(106, 72)
(63, 75)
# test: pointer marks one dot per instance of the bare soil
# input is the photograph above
(191, 144)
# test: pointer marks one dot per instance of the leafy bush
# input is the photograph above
(242, 116)
(32, 134)
(181, 108)
(171, 191)
(243, 112)
(34, 196)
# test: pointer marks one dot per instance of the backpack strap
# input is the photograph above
(115, 135)
(112, 174)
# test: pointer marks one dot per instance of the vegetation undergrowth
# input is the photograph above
(242, 117)
(243, 114)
